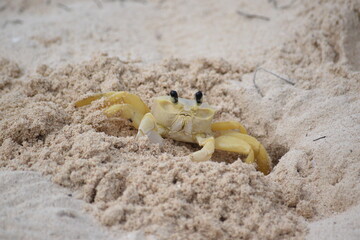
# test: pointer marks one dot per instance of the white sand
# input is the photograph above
(31, 207)
(317, 45)
(345, 225)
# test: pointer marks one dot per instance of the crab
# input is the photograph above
(183, 120)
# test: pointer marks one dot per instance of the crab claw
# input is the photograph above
(208, 147)
(122, 104)
(148, 127)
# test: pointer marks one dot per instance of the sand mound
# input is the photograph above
(133, 184)
(54, 213)
(310, 128)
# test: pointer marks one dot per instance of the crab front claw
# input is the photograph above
(148, 127)
(122, 104)
(205, 153)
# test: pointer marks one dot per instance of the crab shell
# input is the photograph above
(184, 119)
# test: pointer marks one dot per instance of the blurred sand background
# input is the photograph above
(67, 173)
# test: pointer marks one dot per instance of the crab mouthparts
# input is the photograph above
(182, 123)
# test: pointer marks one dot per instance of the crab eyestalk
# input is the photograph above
(198, 97)
(174, 96)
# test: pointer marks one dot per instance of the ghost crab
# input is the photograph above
(183, 120)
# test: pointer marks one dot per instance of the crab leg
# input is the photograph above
(125, 111)
(260, 156)
(234, 144)
(206, 152)
(230, 125)
(123, 104)
(90, 99)
(148, 127)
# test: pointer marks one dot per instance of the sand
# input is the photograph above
(42, 210)
(54, 53)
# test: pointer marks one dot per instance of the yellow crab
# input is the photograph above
(184, 120)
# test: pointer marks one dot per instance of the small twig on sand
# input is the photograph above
(63, 6)
(249, 15)
(130, 61)
(274, 74)
(16, 21)
(319, 138)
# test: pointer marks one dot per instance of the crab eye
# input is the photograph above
(198, 97)
(174, 96)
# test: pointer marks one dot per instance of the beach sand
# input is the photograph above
(69, 172)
